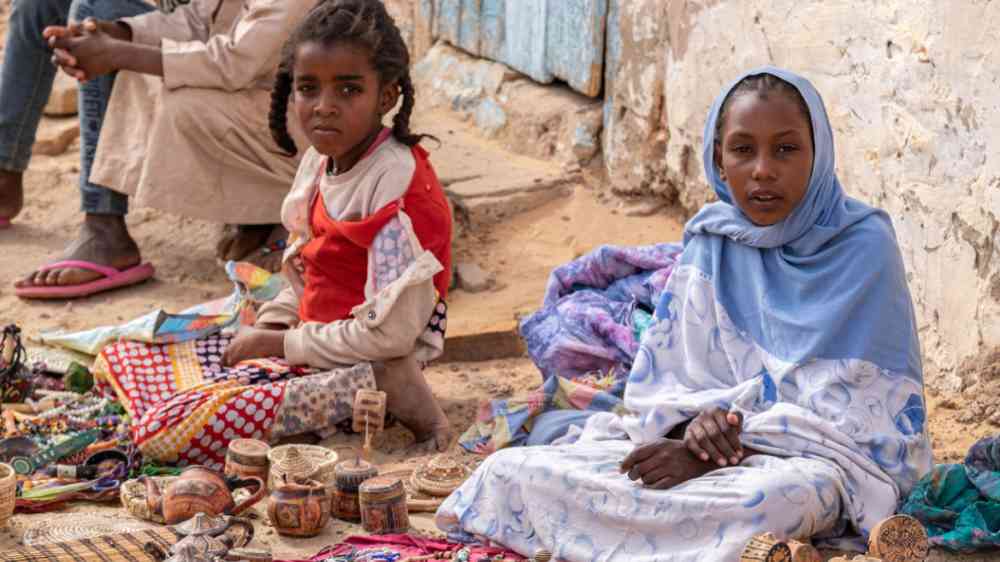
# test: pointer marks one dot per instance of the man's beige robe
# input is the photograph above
(196, 142)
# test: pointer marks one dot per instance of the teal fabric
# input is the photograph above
(959, 504)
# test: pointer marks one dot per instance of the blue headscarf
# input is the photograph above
(825, 283)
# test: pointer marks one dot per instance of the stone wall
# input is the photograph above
(910, 87)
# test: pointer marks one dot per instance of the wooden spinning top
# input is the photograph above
(542, 555)
(766, 548)
(899, 538)
(369, 416)
(369, 411)
(440, 476)
(351, 473)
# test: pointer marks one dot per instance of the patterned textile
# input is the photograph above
(841, 435)
(959, 504)
(583, 339)
(124, 547)
(401, 547)
(187, 407)
(251, 285)
(505, 423)
(586, 323)
(573, 501)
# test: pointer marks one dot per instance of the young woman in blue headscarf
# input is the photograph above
(779, 390)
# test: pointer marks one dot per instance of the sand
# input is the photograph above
(518, 252)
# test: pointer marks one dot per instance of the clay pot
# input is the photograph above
(299, 509)
(383, 505)
(199, 490)
(247, 458)
(349, 476)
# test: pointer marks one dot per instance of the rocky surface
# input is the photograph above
(63, 99)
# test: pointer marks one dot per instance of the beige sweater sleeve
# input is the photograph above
(230, 61)
(187, 23)
(367, 336)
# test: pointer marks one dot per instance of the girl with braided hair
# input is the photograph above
(368, 265)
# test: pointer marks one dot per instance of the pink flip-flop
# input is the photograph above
(113, 279)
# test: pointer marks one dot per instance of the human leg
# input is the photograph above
(573, 501)
(258, 244)
(186, 406)
(224, 167)
(409, 398)
(25, 84)
(104, 238)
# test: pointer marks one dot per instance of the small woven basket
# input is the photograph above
(133, 496)
(8, 491)
(320, 458)
(440, 476)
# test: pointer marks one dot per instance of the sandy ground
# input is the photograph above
(518, 252)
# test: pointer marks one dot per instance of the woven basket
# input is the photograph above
(440, 476)
(8, 491)
(320, 458)
(133, 496)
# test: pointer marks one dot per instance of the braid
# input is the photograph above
(401, 122)
(761, 84)
(277, 119)
(363, 22)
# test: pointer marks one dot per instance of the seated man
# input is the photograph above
(184, 130)
(26, 80)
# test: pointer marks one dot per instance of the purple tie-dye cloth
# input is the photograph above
(583, 340)
(588, 320)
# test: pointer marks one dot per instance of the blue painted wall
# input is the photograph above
(544, 39)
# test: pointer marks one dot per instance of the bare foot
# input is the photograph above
(409, 398)
(11, 194)
(104, 240)
(259, 244)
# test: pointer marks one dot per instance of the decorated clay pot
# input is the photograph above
(299, 509)
(349, 475)
(247, 458)
(383, 505)
(199, 490)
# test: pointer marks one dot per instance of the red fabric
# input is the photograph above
(336, 259)
(409, 545)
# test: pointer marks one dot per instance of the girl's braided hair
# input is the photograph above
(762, 85)
(363, 22)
